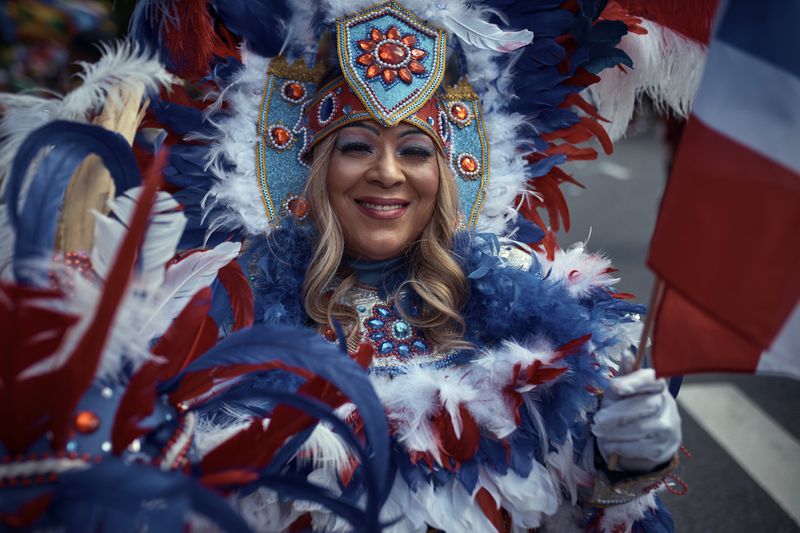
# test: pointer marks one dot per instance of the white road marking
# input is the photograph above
(769, 454)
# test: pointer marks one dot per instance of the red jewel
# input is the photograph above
(459, 111)
(280, 136)
(416, 53)
(468, 164)
(294, 91)
(365, 59)
(391, 53)
(389, 75)
(366, 45)
(376, 35)
(393, 33)
(86, 422)
(410, 40)
(298, 207)
(329, 334)
(405, 75)
(372, 71)
(416, 67)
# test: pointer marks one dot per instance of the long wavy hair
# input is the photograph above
(433, 272)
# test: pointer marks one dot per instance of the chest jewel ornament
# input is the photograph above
(391, 335)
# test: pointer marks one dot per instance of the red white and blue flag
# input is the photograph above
(727, 240)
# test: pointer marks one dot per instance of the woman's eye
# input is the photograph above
(417, 151)
(355, 147)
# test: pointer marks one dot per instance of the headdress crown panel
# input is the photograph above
(393, 61)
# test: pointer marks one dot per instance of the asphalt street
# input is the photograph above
(743, 432)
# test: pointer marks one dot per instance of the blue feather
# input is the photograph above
(70, 143)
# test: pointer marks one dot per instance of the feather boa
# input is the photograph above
(519, 407)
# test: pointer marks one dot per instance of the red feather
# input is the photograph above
(461, 448)
(491, 509)
(189, 336)
(195, 30)
(240, 294)
(256, 446)
(29, 334)
(77, 376)
(29, 512)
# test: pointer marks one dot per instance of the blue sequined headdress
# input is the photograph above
(392, 65)
(447, 68)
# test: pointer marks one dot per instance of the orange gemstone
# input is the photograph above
(459, 111)
(86, 422)
(416, 53)
(468, 164)
(389, 75)
(280, 136)
(409, 40)
(298, 207)
(365, 59)
(391, 53)
(416, 67)
(294, 91)
(393, 33)
(405, 75)
(373, 70)
(366, 45)
(376, 35)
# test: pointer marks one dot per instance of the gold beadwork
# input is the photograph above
(298, 70)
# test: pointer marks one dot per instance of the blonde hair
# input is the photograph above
(434, 274)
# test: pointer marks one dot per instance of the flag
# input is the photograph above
(726, 244)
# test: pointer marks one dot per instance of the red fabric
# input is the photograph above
(724, 245)
(692, 19)
(687, 341)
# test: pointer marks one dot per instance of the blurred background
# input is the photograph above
(739, 431)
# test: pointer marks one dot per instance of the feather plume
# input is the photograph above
(486, 35)
(667, 68)
(123, 64)
(182, 280)
(163, 234)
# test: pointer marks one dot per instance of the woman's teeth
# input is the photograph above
(377, 207)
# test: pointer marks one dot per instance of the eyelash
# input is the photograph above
(412, 151)
(355, 147)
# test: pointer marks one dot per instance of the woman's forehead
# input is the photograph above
(402, 129)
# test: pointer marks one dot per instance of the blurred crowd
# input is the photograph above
(40, 40)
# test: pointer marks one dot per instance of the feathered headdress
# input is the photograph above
(514, 79)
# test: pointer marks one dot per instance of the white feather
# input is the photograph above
(161, 240)
(123, 64)
(182, 281)
(482, 34)
(667, 68)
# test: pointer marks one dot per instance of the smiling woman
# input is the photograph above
(379, 194)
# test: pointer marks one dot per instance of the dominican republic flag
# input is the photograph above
(727, 241)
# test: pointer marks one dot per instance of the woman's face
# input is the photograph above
(382, 185)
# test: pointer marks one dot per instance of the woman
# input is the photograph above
(376, 217)
(382, 208)
(486, 358)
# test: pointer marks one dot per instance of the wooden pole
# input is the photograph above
(652, 309)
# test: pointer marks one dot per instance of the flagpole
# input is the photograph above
(649, 323)
(652, 309)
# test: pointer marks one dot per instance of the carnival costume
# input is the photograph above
(492, 437)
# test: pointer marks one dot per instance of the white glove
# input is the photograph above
(638, 420)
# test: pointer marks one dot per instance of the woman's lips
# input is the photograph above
(384, 208)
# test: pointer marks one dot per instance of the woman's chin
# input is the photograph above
(379, 248)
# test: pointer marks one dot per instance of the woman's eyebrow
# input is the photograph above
(411, 131)
(366, 126)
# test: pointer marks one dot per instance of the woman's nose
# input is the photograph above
(387, 171)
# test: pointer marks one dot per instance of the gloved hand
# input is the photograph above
(638, 420)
